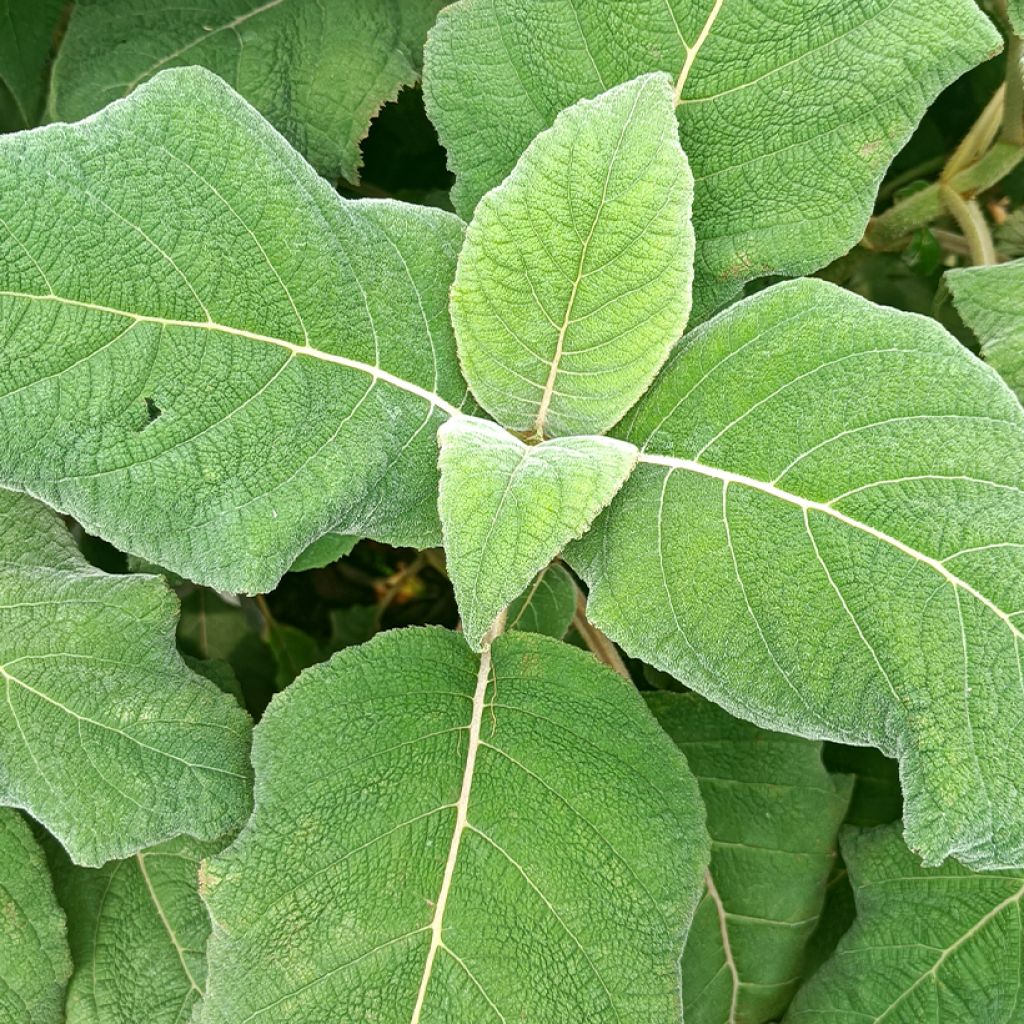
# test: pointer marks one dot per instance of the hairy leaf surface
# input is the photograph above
(789, 110)
(317, 71)
(106, 736)
(138, 932)
(574, 281)
(929, 944)
(991, 301)
(483, 840)
(210, 359)
(508, 508)
(34, 960)
(547, 605)
(825, 534)
(26, 35)
(773, 814)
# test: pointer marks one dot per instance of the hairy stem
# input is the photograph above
(992, 148)
(969, 215)
(597, 643)
(1013, 108)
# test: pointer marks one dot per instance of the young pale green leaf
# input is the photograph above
(574, 281)
(328, 548)
(507, 508)
(547, 605)
(319, 72)
(34, 960)
(773, 814)
(825, 534)
(789, 112)
(508, 839)
(991, 301)
(1015, 10)
(25, 41)
(209, 357)
(928, 945)
(106, 736)
(138, 932)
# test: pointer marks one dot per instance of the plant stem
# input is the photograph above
(1013, 109)
(889, 230)
(597, 643)
(971, 218)
(979, 138)
(978, 163)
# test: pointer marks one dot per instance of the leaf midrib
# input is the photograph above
(483, 679)
(726, 477)
(435, 400)
(376, 372)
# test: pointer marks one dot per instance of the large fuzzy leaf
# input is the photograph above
(210, 358)
(106, 736)
(574, 281)
(508, 508)
(773, 814)
(507, 839)
(26, 35)
(825, 533)
(318, 71)
(928, 945)
(789, 110)
(34, 960)
(138, 932)
(991, 301)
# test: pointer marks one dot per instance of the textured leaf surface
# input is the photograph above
(318, 71)
(106, 736)
(790, 110)
(508, 508)
(138, 932)
(26, 35)
(210, 358)
(507, 840)
(575, 278)
(34, 962)
(929, 944)
(773, 814)
(825, 534)
(546, 606)
(991, 301)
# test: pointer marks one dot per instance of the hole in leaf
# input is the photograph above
(153, 411)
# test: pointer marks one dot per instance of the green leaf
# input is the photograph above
(547, 606)
(508, 508)
(1015, 10)
(575, 277)
(787, 152)
(209, 357)
(991, 301)
(25, 42)
(328, 548)
(512, 839)
(34, 965)
(318, 71)
(773, 814)
(927, 945)
(106, 736)
(293, 650)
(824, 533)
(138, 932)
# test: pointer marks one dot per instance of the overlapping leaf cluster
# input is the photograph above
(796, 520)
